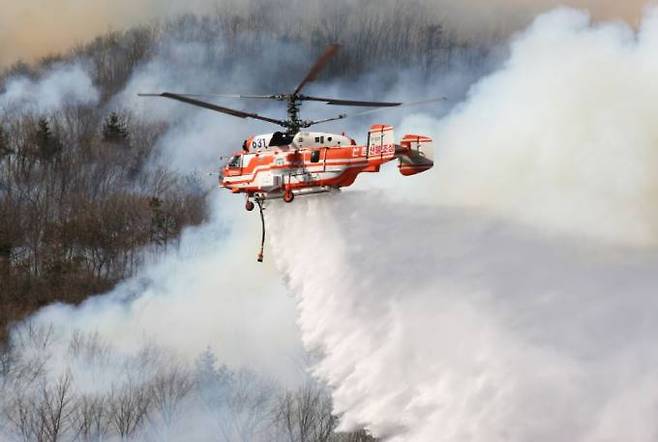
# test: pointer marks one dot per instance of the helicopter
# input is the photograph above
(296, 162)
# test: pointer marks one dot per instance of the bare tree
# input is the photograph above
(168, 390)
(128, 408)
(31, 352)
(23, 420)
(6, 362)
(90, 349)
(90, 418)
(247, 411)
(305, 415)
(355, 436)
(240, 401)
(56, 407)
(43, 414)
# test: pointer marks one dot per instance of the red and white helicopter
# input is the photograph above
(294, 162)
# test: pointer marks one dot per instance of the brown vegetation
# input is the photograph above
(76, 209)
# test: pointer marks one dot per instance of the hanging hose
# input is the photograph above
(259, 201)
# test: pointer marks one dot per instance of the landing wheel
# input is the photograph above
(288, 196)
(249, 205)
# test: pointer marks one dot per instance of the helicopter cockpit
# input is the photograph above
(234, 162)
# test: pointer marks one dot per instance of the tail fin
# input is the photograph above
(415, 153)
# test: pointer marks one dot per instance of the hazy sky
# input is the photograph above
(33, 28)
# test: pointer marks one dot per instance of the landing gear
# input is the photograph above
(249, 205)
(288, 196)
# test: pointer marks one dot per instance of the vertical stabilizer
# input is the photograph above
(381, 142)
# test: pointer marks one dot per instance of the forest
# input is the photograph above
(156, 397)
(84, 204)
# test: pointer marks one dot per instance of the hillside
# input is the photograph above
(83, 204)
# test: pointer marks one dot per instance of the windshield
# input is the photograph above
(235, 161)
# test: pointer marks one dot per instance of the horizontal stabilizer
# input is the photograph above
(415, 154)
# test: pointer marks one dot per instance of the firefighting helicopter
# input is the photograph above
(296, 162)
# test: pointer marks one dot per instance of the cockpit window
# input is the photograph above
(235, 161)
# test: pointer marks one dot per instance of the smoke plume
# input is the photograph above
(178, 304)
(562, 136)
(62, 84)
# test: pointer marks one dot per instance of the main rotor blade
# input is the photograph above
(339, 102)
(369, 111)
(280, 97)
(265, 97)
(214, 107)
(318, 66)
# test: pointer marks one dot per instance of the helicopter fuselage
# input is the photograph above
(314, 162)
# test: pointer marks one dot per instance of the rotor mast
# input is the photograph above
(294, 123)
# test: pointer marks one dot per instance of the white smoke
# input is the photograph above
(564, 135)
(61, 85)
(515, 299)
(198, 297)
(205, 301)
